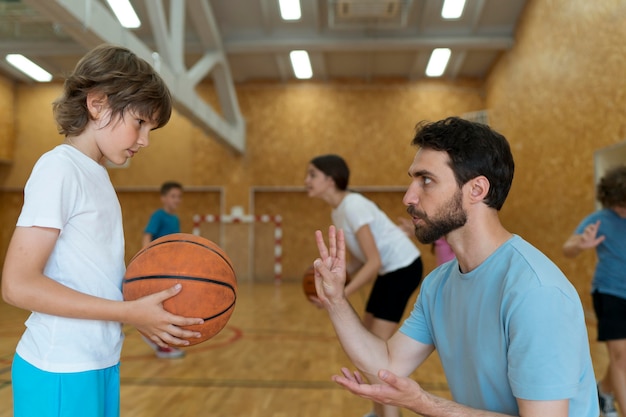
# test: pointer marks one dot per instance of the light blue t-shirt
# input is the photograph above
(512, 328)
(610, 274)
(162, 223)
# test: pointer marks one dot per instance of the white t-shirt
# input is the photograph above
(395, 248)
(69, 191)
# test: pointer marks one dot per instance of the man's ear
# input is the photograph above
(478, 188)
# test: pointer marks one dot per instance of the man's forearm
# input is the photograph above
(367, 351)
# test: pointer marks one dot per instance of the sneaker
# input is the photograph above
(607, 404)
(164, 353)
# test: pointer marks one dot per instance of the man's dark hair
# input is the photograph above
(474, 149)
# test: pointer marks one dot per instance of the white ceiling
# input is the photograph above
(232, 41)
(342, 44)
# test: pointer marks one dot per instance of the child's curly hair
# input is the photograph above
(611, 190)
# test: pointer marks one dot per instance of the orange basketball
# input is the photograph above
(308, 282)
(204, 270)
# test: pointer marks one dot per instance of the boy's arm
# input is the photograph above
(146, 239)
(586, 240)
(24, 285)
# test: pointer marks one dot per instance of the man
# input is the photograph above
(507, 325)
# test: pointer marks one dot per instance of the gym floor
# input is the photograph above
(274, 358)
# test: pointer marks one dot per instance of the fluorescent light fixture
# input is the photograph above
(125, 13)
(438, 61)
(290, 9)
(28, 67)
(452, 9)
(301, 64)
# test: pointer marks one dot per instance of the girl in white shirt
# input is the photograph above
(381, 251)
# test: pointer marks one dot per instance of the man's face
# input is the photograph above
(433, 199)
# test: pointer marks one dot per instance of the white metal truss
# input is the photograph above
(90, 23)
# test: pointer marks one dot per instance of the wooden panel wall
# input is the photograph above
(137, 206)
(7, 121)
(288, 124)
(558, 95)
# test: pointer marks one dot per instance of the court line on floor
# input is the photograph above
(251, 383)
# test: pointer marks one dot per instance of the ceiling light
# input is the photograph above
(125, 13)
(452, 9)
(301, 64)
(28, 67)
(290, 9)
(438, 62)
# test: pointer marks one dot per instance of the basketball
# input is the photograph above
(202, 267)
(308, 282)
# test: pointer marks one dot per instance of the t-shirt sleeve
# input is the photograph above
(360, 213)
(547, 334)
(49, 195)
(153, 224)
(415, 326)
(592, 218)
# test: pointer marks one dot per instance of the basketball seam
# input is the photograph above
(221, 313)
(183, 277)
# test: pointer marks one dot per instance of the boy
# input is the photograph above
(605, 232)
(65, 261)
(165, 221)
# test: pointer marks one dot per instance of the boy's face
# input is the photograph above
(122, 137)
(172, 199)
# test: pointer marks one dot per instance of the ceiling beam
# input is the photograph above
(317, 43)
(322, 43)
(90, 24)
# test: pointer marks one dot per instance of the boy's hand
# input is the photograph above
(159, 325)
(589, 238)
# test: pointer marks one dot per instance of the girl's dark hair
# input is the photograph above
(335, 167)
(474, 150)
(128, 82)
(611, 190)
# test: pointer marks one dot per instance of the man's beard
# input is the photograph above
(451, 218)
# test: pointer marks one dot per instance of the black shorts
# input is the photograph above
(391, 292)
(611, 314)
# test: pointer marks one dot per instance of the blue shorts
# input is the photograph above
(38, 393)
